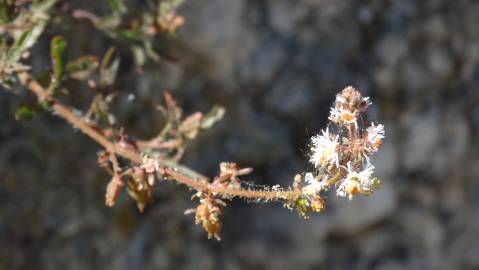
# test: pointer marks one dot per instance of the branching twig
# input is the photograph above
(339, 161)
(173, 170)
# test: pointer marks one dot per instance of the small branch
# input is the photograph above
(250, 194)
(170, 144)
(171, 169)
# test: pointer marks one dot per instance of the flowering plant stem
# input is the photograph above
(171, 169)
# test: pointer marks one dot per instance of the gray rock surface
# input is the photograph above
(275, 66)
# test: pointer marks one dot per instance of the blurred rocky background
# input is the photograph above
(275, 66)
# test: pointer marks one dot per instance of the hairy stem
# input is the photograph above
(172, 169)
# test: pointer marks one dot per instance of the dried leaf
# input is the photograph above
(208, 214)
(191, 125)
(141, 196)
(113, 190)
(174, 112)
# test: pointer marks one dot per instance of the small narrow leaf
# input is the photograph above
(24, 42)
(26, 112)
(42, 6)
(191, 125)
(109, 67)
(108, 23)
(83, 67)
(138, 56)
(215, 115)
(150, 51)
(59, 57)
(117, 6)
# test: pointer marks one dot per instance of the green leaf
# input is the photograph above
(59, 57)
(212, 117)
(118, 6)
(7, 12)
(26, 39)
(83, 67)
(130, 36)
(109, 67)
(26, 112)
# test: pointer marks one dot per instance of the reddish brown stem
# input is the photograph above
(171, 144)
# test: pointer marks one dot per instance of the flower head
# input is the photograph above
(348, 104)
(357, 182)
(342, 158)
(315, 184)
(325, 150)
(341, 116)
(374, 138)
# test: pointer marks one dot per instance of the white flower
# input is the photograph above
(310, 179)
(341, 116)
(356, 182)
(315, 184)
(374, 139)
(325, 150)
(334, 115)
(347, 106)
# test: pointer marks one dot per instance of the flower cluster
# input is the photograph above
(341, 159)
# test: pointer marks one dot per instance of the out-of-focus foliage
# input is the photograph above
(23, 22)
(20, 27)
(140, 32)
